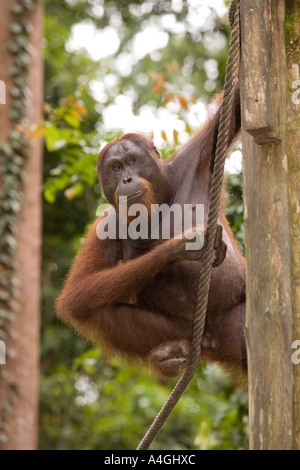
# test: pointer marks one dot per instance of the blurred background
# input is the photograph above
(110, 68)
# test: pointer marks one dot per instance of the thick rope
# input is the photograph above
(234, 4)
(208, 252)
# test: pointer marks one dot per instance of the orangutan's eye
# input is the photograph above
(116, 166)
(131, 161)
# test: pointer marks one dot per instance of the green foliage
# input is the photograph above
(94, 406)
(86, 403)
(77, 165)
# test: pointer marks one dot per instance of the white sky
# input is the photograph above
(99, 44)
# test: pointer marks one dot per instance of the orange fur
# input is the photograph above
(162, 278)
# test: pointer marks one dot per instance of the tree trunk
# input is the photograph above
(271, 168)
(19, 377)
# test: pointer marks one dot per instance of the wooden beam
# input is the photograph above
(292, 40)
(270, 149)
(260, 114)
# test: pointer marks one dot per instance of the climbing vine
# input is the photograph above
(14, 154)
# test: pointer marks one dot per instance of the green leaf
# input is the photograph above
(72, 120)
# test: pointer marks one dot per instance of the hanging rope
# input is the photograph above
(213, 212)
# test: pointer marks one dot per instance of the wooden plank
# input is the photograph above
(269, 326)
(292, 37)
(260, 87)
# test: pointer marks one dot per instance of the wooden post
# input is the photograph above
(292, 37)
(270, 61)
